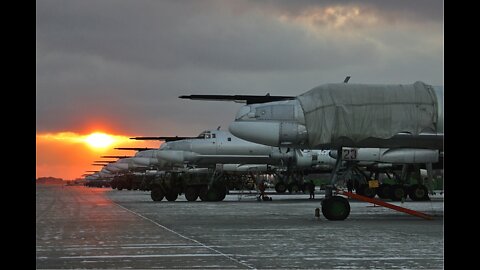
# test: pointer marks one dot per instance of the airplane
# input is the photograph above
(213, 147)
(337, 116)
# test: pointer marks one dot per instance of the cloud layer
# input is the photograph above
(122, 64)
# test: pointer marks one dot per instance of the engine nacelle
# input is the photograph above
(385, 155)
(303, 159)
(283, 154)
(410, 156)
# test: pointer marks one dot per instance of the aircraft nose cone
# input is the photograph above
(142, 161)
(171, 156)
(266, 133)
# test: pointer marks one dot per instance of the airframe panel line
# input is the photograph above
(185, 237)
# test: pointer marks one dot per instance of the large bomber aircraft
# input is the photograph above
(214, 147)
(181, 155)
(404, 118)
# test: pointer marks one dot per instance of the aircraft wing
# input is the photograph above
(253, 159)
(249, 99)
(116, 156)
(134, 148)
(162, 138)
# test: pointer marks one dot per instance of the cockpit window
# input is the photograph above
(204, 135)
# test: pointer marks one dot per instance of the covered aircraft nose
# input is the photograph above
(273, 133)
(261, 132)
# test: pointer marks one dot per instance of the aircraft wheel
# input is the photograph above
(221, 193)
(157, 194)
(191, 194)
(383, 191)
(171, 196)
(212, 195)
(293, 188)
(397, 192)
(418, 193)
(280, 187)
(335, 208)
(203, 193)
(365, 190)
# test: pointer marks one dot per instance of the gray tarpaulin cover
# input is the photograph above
(359, 111)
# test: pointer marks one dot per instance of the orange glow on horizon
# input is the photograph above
(99, 140)
(68, 155)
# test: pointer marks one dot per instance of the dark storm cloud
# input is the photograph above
(125, 62)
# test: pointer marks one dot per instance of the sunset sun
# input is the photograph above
(99, 140)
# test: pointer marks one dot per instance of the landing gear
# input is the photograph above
(397, 193)
(335, 208)
(367, 191)
(280, 187)
(191, 194)
(214, 194)
(171, 196)
(418, 192)
(293, 188)
(157, 194)
(383, 191)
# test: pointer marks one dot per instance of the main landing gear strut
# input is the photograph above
(336, 207)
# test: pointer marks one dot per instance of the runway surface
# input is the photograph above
(80, 227)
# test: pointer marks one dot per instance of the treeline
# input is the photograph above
(49, 180)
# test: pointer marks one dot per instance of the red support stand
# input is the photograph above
(384, 204)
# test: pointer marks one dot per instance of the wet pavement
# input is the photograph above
(80, 227)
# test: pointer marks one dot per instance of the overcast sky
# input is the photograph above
(123, 64)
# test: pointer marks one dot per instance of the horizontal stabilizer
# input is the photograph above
(162, 138)
(135, 148)
(249, 99)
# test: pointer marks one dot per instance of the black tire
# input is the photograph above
(293, 188)
(171, 196)
(366, 191)
(191, 194)
(397, 192)
(383, 191)
(221, 193)
(211, 195)
(157, 194)
(280, 187)
(418, 193)
(203, 193)
(335, 208)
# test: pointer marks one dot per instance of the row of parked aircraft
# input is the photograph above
(355, 131)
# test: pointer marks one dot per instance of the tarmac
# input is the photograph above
(99, 228)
